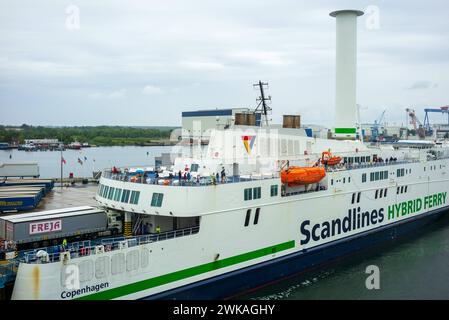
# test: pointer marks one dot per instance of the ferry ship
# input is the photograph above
(286, 202)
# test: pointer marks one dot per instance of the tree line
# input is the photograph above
(97, 135)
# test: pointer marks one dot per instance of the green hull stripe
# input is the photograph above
(186, 273)
(345, 130)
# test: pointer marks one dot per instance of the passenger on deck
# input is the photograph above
(146, 228)
(158, 229)
(223, 175)
(64, 244)
(217, 177)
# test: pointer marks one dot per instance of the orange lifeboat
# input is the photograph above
(327, 158)
(302, 175)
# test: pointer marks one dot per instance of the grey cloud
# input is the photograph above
(174, 55)
(423, 84)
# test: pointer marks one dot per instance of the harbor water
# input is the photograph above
(416, 267)
(91, 159)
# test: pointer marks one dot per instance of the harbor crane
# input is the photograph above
(376, 125)
(415, 122)
(443, 110)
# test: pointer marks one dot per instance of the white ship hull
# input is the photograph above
(289, 229)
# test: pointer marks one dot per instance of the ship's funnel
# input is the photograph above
(346, 65)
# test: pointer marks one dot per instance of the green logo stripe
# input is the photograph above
(345, 130)
(187, 273)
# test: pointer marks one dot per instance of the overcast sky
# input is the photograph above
(144, 62)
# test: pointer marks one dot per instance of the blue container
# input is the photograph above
(19, 202)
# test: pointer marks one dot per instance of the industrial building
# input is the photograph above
(196, 125)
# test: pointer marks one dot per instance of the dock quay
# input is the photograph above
(78, 180)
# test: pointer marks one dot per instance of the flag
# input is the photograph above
(80, 161)
(63, 160)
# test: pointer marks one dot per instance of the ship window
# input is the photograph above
(405, 189)
(376, 176)
(368, 159)
(118, 193)
(256, 217)
(344, 180)
(156, 201)
(125, 196)
(248, 216)
(397, 190)
(353, 198)
(332, 182)
(349, 179)
(364, 177)
(385, 192)
(111, 193)
(257, 193)
(386, 174)
(358, 197)
(357, 159)
(134, 197)
(274, 190)
(105, 191)
(377, 191)
(248, 194)
(371, 176)
(194, 167)
(381, 193)
(402, 189)
(100, 189)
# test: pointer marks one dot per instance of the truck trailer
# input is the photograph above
(40, 229)
(19, 201)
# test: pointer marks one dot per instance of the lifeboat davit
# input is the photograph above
(327, 158)
(302, 175)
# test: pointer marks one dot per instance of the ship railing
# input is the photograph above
(353, 166)
(174, 181)
(54, 251)
(87, 248)
(114, 243)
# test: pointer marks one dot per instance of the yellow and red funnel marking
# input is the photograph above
(248, 142)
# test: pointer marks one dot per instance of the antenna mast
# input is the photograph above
(262, 106)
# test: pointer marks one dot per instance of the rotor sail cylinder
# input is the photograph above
(346, 73)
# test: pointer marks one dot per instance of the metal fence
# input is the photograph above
(89, 247)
